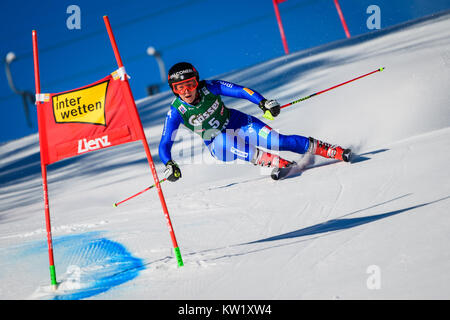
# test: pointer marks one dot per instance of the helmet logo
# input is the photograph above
(179, 73)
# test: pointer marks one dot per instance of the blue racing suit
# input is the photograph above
(240, 135)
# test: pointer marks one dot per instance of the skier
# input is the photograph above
(228, 133)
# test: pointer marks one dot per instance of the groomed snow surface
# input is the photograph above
(378, 228)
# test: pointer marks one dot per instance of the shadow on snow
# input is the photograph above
(344, 223)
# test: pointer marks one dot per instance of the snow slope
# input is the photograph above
(378, 228)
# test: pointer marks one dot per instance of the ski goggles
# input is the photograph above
(180, 87)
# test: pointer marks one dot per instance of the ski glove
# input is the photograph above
(271, 108)
(172, 172)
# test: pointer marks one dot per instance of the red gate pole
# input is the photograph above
(280, 25)
(145, 143)
(43, 153)
(341, 16)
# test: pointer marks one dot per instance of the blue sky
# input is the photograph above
(216, 36)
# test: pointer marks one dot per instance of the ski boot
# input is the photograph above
(281, 167)
(266, 159)
(327, 150)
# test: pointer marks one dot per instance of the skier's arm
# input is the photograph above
(220, 87)
(173, 121)
(225, 88)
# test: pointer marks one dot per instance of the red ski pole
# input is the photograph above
(334, 87)
(140, 192)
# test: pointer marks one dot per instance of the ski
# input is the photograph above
(281, 173)
(297, 168)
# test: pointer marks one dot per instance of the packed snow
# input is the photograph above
(378, 228)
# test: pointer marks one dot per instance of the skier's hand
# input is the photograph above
(271, 108)
(172, 172)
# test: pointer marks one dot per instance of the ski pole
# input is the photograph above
(334, 87)
(269, 116)
(140, 192)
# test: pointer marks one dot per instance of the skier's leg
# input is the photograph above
(260, 134)
(244, 133)
(228, 146)
(271, 139)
